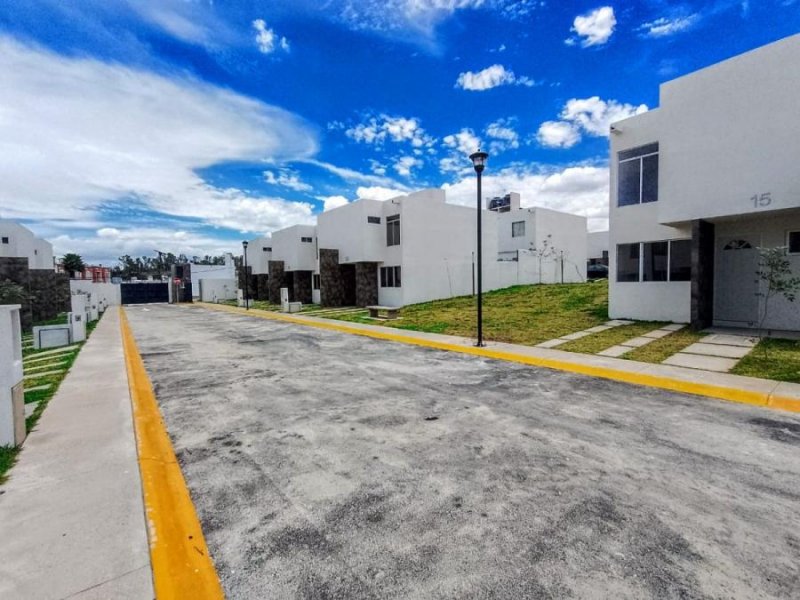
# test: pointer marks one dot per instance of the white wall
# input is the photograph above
(287, 245)
(257, 257)
(108, 292)
(22, 243)
(346, 229)
(215, 290)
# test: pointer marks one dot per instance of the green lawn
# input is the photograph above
(524, 314)
(661, 349)
(592, 344)
(772, 359)
(9, 455)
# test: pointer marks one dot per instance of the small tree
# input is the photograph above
(73, 263)
(545, 251)
(775, 271)
(11, 293)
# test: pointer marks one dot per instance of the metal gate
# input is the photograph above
(144, 293)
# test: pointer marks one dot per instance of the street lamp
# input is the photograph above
(479, 162)
(246, 287)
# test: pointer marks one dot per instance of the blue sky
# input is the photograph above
(188, 125)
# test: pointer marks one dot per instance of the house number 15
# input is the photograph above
(761, 200)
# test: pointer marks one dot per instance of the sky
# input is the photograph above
(185, 126)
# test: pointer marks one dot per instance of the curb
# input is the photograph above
(182, 567)
(731, 394)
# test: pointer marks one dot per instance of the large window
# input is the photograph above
(393, 230)
(655, 261)
(390, 277)
(637, 179)
(793, 242)
(518, 229)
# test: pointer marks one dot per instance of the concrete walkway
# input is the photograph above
(716, 352)
(71, 515)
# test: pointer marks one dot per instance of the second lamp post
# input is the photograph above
(479, 162)
(246, 277)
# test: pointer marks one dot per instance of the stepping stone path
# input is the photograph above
(716, 352)
(37, 388)
(642, 340)
(56, 351)
(33, 359)
(29, 408)
(51, 366)
(44, 374)
(580, 334)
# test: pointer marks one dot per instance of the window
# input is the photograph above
(655, 261)
(518, 229)
(5, 240)
(637, 179)
(393, 231)
(375, 220)
(315, 282)
(680, 260)
(628, 262)
(306, 240)
(267, 249)
(794, 242)
(390, 277)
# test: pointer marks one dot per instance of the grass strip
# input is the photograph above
(522, 314)
(661, 349)
(772, 359)
(594, 343)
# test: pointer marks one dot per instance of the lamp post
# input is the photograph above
(479, 162)
(246, 290)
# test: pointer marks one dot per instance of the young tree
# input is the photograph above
(73, 263)
(775, 271)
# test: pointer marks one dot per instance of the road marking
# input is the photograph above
(755, 398)
(182, 566)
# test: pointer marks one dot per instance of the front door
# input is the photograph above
(736, 281)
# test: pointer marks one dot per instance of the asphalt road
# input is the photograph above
(325, 465)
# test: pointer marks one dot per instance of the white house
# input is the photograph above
(259, 253)
(17, 241)
(702, 182)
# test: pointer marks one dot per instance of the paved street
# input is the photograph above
(325, 465)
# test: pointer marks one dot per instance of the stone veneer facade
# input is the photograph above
(277, 280)
(366, 283)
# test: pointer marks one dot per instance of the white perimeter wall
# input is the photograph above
(108, 292)
(215, 290)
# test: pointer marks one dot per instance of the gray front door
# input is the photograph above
(736, 281)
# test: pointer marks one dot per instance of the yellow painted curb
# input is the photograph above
(182, 567)
(656, 381)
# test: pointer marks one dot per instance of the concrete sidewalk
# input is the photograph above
(72, 521)
(750, 390)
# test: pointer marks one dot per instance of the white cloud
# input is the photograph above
(405, 164)
(72, 140)
(592, 116)
(267, 40)
(581, 190)
(380, 193)
(465, 141)
(351, 176)
(664, 26)
(558, 134)
(503, 136)
(594, 28)
(331, 202)
(286, 178)
(378, 129)
(489, 78)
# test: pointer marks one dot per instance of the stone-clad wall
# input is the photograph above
(262, 286)
(331, 291)
(301, 282)
(47, 291)
(277, 280)
(366, 283)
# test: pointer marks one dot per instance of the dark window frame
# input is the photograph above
(391, 277)
(315, 281)
(645, 158)
(673, 273)
(374, 220)
(5, 240)
(307, 240)
(515, 233)
(266, 249)
(789, 242)
(393, 230)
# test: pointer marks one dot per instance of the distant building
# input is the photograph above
(93, 273)
(597, 248)
(17, 241)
